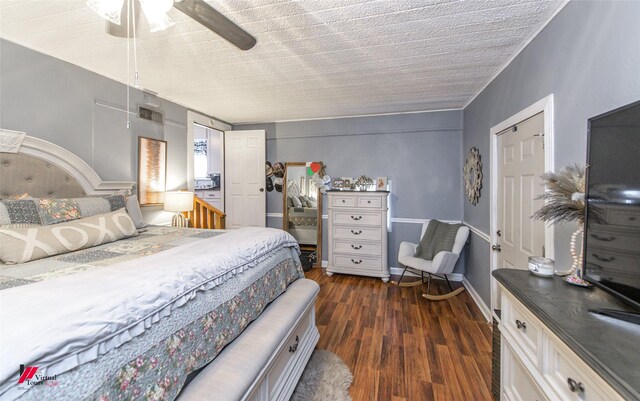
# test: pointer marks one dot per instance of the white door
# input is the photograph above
(244, 161)
(520, 164)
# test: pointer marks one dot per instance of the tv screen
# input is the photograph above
(612, 224)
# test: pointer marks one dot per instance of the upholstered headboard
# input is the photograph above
(21, 174)
(44, 170)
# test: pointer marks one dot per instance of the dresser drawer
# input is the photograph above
(370, 201)
(358, 248)
(612, 263)
(570, 378)
(360, 233)
(623, 217)
(288, 354)
(517, 383)
(358, 262)
(522, 325)
(357, 218)
(343, 201)
(617, 239)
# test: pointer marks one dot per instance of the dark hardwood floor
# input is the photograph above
(401, 346)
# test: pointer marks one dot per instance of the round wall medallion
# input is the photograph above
(473, 175)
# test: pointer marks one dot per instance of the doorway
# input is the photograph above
(521, 151)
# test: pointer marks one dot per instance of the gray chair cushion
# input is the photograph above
(438, 237)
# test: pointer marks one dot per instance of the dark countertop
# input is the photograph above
(610, 347)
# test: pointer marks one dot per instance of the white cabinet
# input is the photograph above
(536, 365)
(212, 197)
(358, 234)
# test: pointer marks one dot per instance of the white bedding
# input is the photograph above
(125, 299)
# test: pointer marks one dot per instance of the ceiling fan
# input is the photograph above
(122, 18)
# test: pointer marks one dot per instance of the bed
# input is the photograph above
(303, 224)
(228, 312)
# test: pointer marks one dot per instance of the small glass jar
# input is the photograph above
(540, 266)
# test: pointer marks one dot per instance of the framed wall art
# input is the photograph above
(152, 171)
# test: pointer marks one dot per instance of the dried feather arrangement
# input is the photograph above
(561, 203)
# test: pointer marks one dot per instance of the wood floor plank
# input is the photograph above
(400, 346)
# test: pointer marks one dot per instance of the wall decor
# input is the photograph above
(473, 175)
(152, 171)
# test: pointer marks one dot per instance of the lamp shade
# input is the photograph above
(178, 201)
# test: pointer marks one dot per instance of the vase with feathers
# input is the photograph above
(564, 202)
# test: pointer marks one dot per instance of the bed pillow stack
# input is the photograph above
(20, 213)
(19, 245)
(301, 201)
(33, 228)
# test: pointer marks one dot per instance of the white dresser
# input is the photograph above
(594, 356)
(358, 233)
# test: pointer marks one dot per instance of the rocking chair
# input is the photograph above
(442, 264)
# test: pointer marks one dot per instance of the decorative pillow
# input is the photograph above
(22, 211)
(116, 202)
(296, 201)
(21, 245)
(133, 208)
(54, 211)
(312, 202)
(289, 201)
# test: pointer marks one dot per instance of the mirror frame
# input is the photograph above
(285, 217)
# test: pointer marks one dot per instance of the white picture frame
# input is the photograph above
(381, 183)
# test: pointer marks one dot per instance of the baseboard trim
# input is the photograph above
(486, 312)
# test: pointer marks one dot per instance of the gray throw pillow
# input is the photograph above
(438, 237)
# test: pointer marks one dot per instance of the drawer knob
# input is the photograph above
(521, 325)
(356, 218)
(575, 387)
(293, 348)
(344, 201)
(357, 262)
(356, 232)
(356, 247)
(368, 201)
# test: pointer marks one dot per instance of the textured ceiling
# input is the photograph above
(313, 58)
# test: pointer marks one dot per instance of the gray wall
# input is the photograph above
(84, 112)
(420, 153)
(589, 58)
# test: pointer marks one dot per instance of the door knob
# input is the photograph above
(499, 233)
(496, 248)
(261, 189)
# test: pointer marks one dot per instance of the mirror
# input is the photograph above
(302, 211)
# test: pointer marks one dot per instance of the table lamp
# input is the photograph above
(178, 201)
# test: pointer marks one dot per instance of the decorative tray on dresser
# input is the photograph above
(358, 233)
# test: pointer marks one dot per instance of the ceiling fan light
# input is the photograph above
(111, 10)
(159, 22)
(156, 13)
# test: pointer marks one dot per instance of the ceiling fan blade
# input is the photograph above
(202, 12)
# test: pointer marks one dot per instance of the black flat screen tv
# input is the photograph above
(612, 223)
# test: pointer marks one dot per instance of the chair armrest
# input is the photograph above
(444, 262)
(407, 249)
